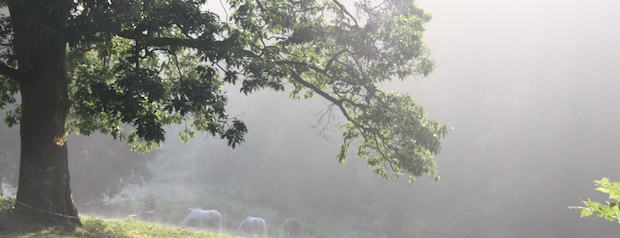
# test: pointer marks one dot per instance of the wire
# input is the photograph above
(45, 211)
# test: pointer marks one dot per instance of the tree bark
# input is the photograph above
(43, 190)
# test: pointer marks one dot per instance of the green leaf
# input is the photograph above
(586, 212)
(602, 189)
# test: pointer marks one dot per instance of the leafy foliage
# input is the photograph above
(149, 64)
(394, 142)
(6, 205)
(611, 210)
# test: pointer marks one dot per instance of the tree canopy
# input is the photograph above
(154, 63)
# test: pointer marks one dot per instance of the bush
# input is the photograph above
(6, 205)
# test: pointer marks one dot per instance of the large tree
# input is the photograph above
(82, 66)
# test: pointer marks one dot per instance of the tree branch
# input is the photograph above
(344, 9)
(11, 73)
(302, 64)
(338, 102)
(174, 42)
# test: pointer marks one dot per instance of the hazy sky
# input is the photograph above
(532, 89)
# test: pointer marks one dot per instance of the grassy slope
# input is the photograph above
(12, 225)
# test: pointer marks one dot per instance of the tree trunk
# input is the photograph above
(43, 191)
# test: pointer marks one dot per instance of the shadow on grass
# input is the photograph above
(15, 225)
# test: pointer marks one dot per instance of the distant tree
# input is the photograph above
(93, 65)
(611, 210)
(9, 156)
(102, 167)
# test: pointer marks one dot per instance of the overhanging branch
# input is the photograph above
(11, 73)
(344, 9)
(302, 64)
(198, 44)
(335, 101)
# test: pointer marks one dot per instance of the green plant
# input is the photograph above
(610, 211)
(6, 204)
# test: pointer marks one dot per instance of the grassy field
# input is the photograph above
(13, 225)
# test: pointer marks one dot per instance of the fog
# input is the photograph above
(530, 87)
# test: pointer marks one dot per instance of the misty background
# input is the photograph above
(530, 87)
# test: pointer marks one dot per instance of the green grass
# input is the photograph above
(13, 225)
